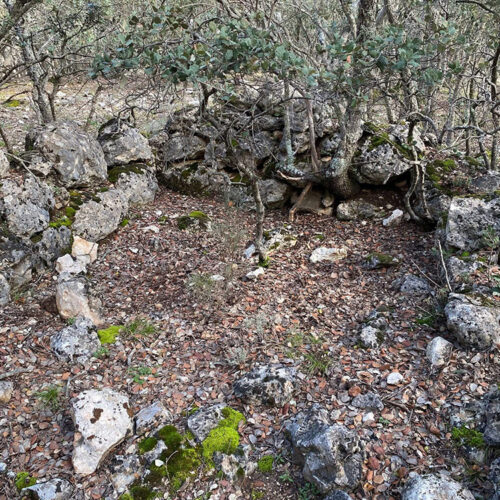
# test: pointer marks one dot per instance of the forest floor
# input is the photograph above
(298, 313)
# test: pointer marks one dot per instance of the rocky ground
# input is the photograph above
(146, 354)
(201, 340)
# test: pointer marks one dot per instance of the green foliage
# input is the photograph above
(50, 397)
(308, 492)
(138, 328)
(24, 480)
(102, 352)
(463, 436)
(108, 335)
(124, 222)
(138, 372)
(265, 464)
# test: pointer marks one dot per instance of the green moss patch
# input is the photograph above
(12, 103)
(147, 444)
(62, 221)
(108, 335)
(265, 464)
(140, 492)
(24, 480)
(463, 436)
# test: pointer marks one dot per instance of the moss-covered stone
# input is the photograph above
(108, 335)
(115, 172)
(196, 217)
(147, 444)
(265, 464)
(224, 438)
(24, 480)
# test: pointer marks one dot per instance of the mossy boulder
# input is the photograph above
(195, 219)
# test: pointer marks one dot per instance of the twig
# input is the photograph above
(13, 373)
(444, 266)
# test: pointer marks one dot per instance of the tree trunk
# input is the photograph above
(337, 173)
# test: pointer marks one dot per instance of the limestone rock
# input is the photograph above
(77, 158)
(153, 416)
(54, 243)
(414, 285)
(439, 351)
(122, 143)
(96, 220)
(368, 401)
(102, 421)
(124, 471)
(370, 336)
(66, 264)
(460, 270)
(204, 420)
(356, 209)
(331, 455)
(473, 324)
(491, 413)
(4, 290)
(233, 465)
(180, 147)
(72, 298)
(394, 378)
(469, 219)
(323, 254)
(271, 384)
(394, 219)
(16, 261)
(77, 342)
(486, 184)
(54, 489)
(274, 194)
(433, 487)
(253, 275)
(137, 188)
(4, 164)
(6, 390)
(25, 205)
(316, 202)
(84, 251)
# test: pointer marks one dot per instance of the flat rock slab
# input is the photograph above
(431, 487)
(323, 254)
(102, 421)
